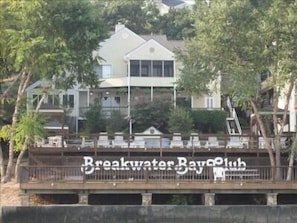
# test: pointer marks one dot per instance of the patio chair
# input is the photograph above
(219, 173)
(138, 142)
(194, 141)
(119, 141)
(103, 140)
(176, 141)
(234, 142)
(212, 142)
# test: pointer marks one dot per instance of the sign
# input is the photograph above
(181, 165)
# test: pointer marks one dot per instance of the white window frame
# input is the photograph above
(104, 71)
(209, 102)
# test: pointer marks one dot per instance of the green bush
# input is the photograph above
(209, 121)
(116, 123)
(94, 120)
(180, 120)
(153, 113)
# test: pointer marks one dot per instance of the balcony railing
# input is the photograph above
(41, 174)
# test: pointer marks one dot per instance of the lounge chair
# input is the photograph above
(194, 141)
(212, 142)
(234, 142)
(138, 142)
(219, 173)
(119, 141)
(103, 140)
(176, 141)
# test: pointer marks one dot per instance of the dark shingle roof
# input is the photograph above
(172, 3)
(162, 39)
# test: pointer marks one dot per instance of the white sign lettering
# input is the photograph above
(182, 165)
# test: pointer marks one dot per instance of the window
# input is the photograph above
(53, 99)
(36, 99)
(209, 102)
(151, 68)
(157, 69)
(103, 71)
(68, 100)
(145, 68)
(135, 68)
(168, 68)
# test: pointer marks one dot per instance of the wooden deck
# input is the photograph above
(62, 170)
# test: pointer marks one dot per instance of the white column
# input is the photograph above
(152, 93)
(174, 85)
(129, 99)
(209, 199)
(271, 198)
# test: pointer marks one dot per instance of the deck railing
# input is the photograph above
(166, 141)
(66, 174)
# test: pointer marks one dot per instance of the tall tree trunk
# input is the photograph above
(26, 141)
(24, 80)
(291, 158)
(263, 132)
(19, 160)
(279, 126)
(2, 172)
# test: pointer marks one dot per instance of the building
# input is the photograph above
(133, 68)
(165, 5)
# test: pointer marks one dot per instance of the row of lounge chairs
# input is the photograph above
(142, 141)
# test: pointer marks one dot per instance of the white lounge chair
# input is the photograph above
(212, 142)
(261, 143)
(176, 141)
(103, 140)
(119, 141)
(194, 141)
(234, 142)
(219, 173)
(138, 142)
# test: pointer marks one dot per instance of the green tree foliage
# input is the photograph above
(137, 15)
(94, 120)
(48, 39)
(116, 123)
(29, 126)
(180, 121)
(209, 121)
(240, 40)
(153, 113)
(177, 24)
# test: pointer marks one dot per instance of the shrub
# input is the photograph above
(94, 121)
(153, 113)
(116, 123)
(209, 121)
(180, 120)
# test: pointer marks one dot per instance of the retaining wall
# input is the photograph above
(149, 214)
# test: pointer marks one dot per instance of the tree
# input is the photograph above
(148, 114)
(116, 122)
(177, 24)
(138, 15)
(240, 40)
(28, 129)
(94, 120)
(180, 121)
(46, 39)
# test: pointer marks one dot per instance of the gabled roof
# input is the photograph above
(153, 47)
(152, 131)
(162, 39)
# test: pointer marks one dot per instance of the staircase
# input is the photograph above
(232, 122)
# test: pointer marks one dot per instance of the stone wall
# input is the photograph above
(149, 214)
